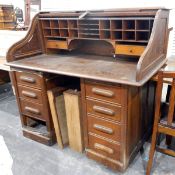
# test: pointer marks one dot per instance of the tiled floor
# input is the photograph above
(32, 158)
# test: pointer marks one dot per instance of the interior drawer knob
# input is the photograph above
(29, 94)
(27, 79)
(103, 148)
(32, 110)
(103, 110)
(103, 92)
(103, 129)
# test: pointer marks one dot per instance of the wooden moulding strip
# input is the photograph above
(74, 119)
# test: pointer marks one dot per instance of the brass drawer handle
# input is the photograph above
(103, 110)
(103, 92)
(29, 94)
(32, 110)
(103, 129)
(103, 148)
(27, 79)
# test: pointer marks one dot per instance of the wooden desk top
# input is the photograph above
(83, 66)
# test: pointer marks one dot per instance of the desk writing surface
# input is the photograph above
(83, 66)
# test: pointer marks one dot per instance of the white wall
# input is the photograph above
(101, 4)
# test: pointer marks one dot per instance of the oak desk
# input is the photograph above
(110, 57)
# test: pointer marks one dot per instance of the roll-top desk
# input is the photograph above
(111, 56)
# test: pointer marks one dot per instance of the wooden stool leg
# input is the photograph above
(152, 150)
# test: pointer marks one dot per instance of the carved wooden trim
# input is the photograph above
(12, 54)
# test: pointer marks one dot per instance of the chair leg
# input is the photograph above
(152, 151)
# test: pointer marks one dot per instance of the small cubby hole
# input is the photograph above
(63, 24)
(142, 25)
(116, 35)
(73, 33)
(128, 35)
(64, 33)
(105, 34)
(46, 23)
(55, 32)
(142, 36)
(104, 24)
(54, 24)
(72, 24)
(116, 24)
(128, 24)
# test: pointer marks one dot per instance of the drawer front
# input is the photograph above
(31, 94)
(104, 110)
(57, 44)
(129, 50)
(29, 79)
(32, 110)
(104, 128)
(104, 147)
(106, 93)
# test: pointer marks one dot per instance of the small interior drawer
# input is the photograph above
(104, 110)
(52, 44)
(108, 149)
(104, 92)
(29, 79)
(104, 128)
(31, 94)
(134, 50)
(33, 110)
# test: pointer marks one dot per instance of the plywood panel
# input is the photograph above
(73, 113)
(57, 107)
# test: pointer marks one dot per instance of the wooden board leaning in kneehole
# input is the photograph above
(72, 100)
(57, 107)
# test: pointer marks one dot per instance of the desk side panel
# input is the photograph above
(30, 45)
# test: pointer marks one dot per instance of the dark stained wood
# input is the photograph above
(84, 66)
(132, 125)
(155, 54)
(104, 128)
(164, 126)
(117, 96)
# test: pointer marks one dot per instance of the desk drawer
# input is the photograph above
(129, 50)
(57, 44)
(33, 110)
(30, 79)
(104, 110)
(31, 94)
(104, 92)
(104, 128)
(108, 149)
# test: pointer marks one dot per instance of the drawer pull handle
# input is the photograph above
(27, 79)
(103, 92)
(32, 110)
(103, 110)
(103, 148)
(103, 129)
(29, 94)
